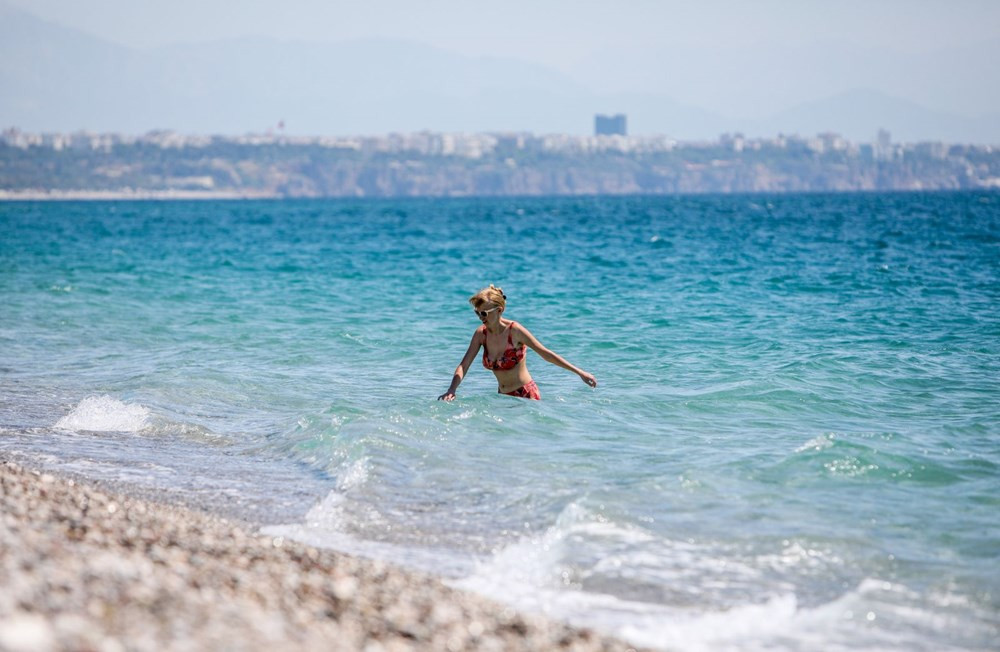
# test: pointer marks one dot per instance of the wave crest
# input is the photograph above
(105, 414)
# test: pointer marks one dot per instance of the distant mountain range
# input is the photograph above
(54, 78)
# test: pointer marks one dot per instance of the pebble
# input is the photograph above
(82, 569)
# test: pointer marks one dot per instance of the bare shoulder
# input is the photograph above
(521, 334)
(519, 327)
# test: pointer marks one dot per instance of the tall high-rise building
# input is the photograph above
(609, 125)
(884, 150)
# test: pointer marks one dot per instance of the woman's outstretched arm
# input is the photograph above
(463, 367)
(551, 356)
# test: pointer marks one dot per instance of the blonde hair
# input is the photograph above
(492, 294)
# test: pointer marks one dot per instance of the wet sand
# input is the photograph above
(82, 568)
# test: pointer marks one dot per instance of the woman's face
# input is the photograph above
(488, 311)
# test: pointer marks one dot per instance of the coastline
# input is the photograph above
(55, 196)
(137, 194)
(85, 568)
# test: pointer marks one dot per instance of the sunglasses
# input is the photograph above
(483, 313)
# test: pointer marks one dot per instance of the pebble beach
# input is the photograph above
(87, 569)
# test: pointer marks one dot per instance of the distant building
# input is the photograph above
(935, 150)
(735, 142)
(609, 125)
(884, 151)
(833, 142)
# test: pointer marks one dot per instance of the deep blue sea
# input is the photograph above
(794, 445)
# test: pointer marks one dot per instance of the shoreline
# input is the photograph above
(14, 196)
(87, 568)
(128, 195)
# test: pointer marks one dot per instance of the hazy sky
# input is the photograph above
(610, 45)
(556, 33)
(736, 58)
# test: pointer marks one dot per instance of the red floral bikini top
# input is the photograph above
(510, 357)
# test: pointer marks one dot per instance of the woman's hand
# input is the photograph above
(447, 396)
(588, 378)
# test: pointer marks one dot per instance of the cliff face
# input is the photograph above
(313, 171)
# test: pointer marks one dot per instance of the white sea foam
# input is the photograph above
(355, 475)
(536, 572)
(526, 573)
(105, 414)
(542, 574)
(325, 526)
(816, 444)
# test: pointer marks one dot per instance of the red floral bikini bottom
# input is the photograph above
(525, 391)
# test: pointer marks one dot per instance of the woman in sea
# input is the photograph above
(505, 343)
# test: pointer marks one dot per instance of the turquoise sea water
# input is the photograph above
(795, 443)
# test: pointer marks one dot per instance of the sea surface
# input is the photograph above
(794, 444)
